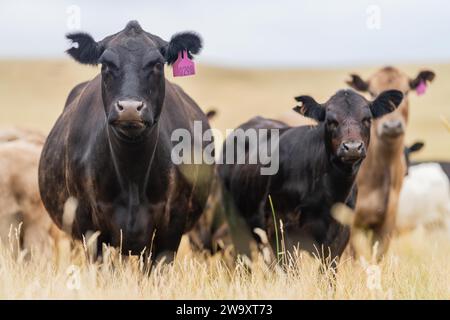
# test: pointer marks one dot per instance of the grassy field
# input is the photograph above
(417, 266)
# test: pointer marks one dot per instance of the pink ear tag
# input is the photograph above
(183, 66)
(421, 88)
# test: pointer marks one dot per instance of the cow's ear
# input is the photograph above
(423, 76)
(189, 41)
(416, 146)
(386, 102)
(310, 108)
(86, 50)
(358, 83)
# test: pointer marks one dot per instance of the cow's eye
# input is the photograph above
(367, 122)
(158, 65)
(153, 66)
(332, 124)
(110, 67)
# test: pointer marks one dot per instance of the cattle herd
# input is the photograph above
(110, 150)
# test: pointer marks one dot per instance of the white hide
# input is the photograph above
(424, 198)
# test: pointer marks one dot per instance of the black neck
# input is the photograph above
(134, 160)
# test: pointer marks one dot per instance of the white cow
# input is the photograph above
(424, 198)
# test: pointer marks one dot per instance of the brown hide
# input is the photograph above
(380, 178)
(20, 202)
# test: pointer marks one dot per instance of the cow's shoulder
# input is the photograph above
(75, 92)
(80, 127)
(259, 122)
(176, 95)
(180, 110)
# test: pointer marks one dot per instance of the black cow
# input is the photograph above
(417, 146)
(317, 168)
(111, 147)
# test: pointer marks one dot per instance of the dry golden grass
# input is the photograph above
(417, 266)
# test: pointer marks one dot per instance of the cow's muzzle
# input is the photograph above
(351, 151)
(129, 120)
(392, 129)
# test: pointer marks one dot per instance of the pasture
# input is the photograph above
(416, 267)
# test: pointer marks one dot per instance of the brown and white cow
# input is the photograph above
(381, 175)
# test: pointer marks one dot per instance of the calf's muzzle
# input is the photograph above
(392, 128)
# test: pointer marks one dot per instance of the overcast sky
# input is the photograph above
(240, 33)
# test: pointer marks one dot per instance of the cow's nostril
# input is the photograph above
(360, 146)
(392, 125)
(353, 146)
(129, 105)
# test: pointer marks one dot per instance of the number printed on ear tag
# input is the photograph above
(183, 66)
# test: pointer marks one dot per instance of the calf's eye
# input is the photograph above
(367, 122)
(332, 124)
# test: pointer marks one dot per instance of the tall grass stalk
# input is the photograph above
(276, 229)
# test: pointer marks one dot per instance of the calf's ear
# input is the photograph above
(386, 102)
(310, 108)
(423, 76)
(416, 146)
(86, 49)
(189, 41)
(357, 83)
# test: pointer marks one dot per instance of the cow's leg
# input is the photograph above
(326, 239)
(211, 227)
(9, 223)
(103, 241)
(10, 216)
(83, 226)
(333, 245)
(380, 242)
(166, 244)
(360, 242)
(384, 232)
(238, 227)
(164, 252)
(36, 234)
